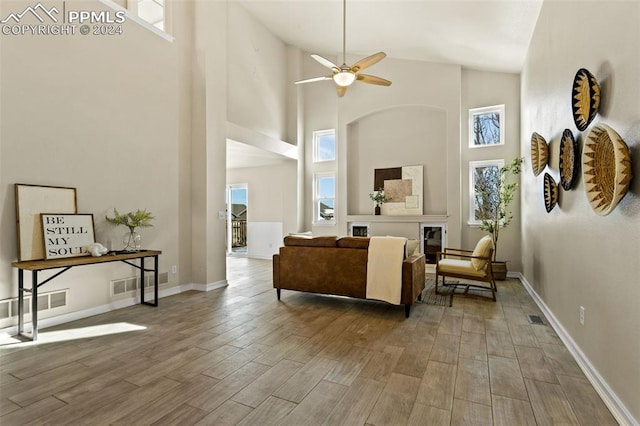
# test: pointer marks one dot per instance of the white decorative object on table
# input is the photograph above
(97, 249)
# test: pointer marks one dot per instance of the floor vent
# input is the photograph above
(535, 319)
(50, 300)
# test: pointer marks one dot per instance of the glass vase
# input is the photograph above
(131, 241)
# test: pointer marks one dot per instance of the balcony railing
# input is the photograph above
(238, 233)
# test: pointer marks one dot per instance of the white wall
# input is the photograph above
(482, 89)
(414, 89)
(271, 201)
(97, 113)
(257, 85)
(396, 137)
(571, 256)
(258, 103)
(319, 112)
(136, 121)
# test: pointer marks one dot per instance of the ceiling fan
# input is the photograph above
(345, 75)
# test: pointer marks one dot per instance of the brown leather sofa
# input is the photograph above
(338, 266)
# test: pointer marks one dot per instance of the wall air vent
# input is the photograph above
(535, 319)
(46, 301)
(130, 285)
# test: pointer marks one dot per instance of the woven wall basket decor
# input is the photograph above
(585, 98)
(539, 153)
(550, 192)
(606, 168)
(568, 160)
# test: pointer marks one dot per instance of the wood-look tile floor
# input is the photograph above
(238, 356)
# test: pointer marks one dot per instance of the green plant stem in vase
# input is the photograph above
(132, 220)
(379, 198)
(131, 241)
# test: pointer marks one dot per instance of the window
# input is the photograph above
(486, 126)
(324, 145)
(324, 198)
(483, 175)
(152, 11)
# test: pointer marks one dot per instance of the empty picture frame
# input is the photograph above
(31, 201)
(486, 126)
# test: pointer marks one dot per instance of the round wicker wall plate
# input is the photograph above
(606, 168)
(539, 153)
(585, 98)
(550, 192)
(568, 160)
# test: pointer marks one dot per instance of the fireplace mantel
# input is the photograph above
(397, 219)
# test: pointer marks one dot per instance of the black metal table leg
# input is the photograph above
(142, 280)
(155, 280)
(20, 301)
(34, 305)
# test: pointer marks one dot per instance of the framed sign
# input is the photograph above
(486, 126)
(66, 235)
(31, 200)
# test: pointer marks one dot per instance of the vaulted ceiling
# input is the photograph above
(480, 34)
(490, 35)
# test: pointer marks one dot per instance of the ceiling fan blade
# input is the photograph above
(368, 61)
(327, 63)
(341, 90)
(313, 80)
(372, 79)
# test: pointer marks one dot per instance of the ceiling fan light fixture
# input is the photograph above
(344, 78)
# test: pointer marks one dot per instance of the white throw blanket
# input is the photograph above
(384, 269)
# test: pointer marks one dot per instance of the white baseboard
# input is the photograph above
(611, 400)
(117, 304)
(210, 286)
(261, 256)
(96, 310)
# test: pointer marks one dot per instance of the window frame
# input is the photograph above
(317, 219)
(316, 136)
(473, 165)
(476, 112)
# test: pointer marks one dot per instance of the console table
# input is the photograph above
(36, 266)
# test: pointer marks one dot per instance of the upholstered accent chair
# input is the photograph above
(469, 265)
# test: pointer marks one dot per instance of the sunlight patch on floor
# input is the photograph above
(55, 336)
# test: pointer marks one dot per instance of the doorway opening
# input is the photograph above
(237, 211)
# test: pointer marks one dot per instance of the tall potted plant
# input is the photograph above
(495, 190)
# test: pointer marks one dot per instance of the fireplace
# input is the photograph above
(359, 230)
(433, 237)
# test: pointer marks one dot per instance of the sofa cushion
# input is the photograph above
(411, 247)
(354, 242)
(323, 241)
(459, 266)
(483, 249)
